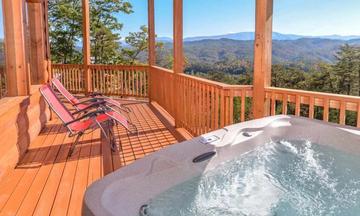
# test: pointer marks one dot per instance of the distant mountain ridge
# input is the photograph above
(304, 50)
(245, 36)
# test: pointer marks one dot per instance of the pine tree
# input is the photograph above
(65, 30)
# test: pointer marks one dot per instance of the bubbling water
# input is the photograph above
(278, 178)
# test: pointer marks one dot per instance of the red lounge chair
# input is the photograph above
(95, 98)
(88, 121)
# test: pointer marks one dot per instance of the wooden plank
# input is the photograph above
(358, 115)
(311, 107)
(12, 205)
(95, 158)
(326, 110)
(11, 181)
(243, 105)
(297, 105)
(285, 104)
(342, 112)
(273, 104)
(62, 199)
(231, 100)
(50, 190)
(35, 191)
(222, 108)
(262, 56)
(81, 177)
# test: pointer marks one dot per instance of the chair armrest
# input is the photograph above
(93, 105)
(94, 94)
(88, 115)
(91, 100)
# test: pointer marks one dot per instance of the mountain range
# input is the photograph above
(304, 50)
(245, 36)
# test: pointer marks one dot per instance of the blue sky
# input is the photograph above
(215, 17)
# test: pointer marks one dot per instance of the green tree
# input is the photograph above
(105, 28)
(65, 30)
(347, 70)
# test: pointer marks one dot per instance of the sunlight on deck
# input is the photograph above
(46, 182)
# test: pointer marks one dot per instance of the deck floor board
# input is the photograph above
(47, 182)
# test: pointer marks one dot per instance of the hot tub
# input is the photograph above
(280, 165)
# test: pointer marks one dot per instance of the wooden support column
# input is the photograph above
(47, 50)
(151, 29)
(16, 69)
(152, 43)
(86, 45)
(178, 66)
(38, 73)
(178, 37)
(262, 57)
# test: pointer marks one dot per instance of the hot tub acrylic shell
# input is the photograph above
(123, 192)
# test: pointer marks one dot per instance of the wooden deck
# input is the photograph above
(46, 182)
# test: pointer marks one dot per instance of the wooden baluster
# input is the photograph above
(273, 104)
(326, 110)
(212, 111)
(311, 107)
(226, 107)
(297, 104)
(284, 105)
(217, 108)
(141, 89)
(203, 110)
(231, 104)
(358, 115)
(342, 112)
(243, 105)
(222, 108)
(208, 108)
(198, 104)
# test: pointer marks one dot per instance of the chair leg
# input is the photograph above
(108, 135)
(73, 145)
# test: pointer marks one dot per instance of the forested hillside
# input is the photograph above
(305, 51)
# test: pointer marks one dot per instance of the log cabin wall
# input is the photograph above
(22, 119)
(23, 112)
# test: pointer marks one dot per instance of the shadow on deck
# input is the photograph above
(46, 182)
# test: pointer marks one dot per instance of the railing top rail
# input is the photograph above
(67, 65)
(102, 66)
(332, 96)
(162, 69)
(206, 81)
(218, 84)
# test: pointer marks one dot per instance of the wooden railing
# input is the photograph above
(107, 79)
(71, 76)
(201, 105)
(314, 105)
(120, 80)
(3, 88)
(197, 104)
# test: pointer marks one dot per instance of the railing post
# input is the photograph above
(178, 66)
(86, 45)
(152, 44)
(262, 57)
(151, 29)
(16, 69)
